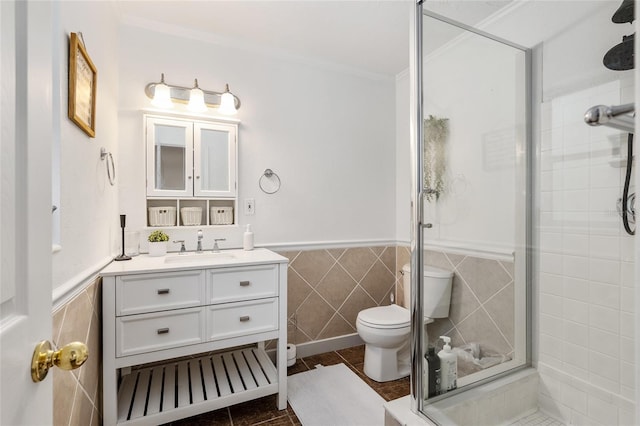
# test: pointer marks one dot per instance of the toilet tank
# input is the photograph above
(437, 290)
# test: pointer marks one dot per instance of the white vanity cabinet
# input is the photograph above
(184, 338)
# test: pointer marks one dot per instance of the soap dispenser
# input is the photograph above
(248, 239)
(448, 366)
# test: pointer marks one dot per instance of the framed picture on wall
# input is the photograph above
(83, 78)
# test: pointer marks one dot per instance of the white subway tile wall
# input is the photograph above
(586, 343)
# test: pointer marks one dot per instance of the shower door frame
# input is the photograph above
(525, 259)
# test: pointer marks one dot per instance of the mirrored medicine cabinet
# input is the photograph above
(191, 171)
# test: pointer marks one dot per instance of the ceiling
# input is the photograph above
(369, 36)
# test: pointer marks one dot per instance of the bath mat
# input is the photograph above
(334, 395)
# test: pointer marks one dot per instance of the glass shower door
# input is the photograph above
(475, 191)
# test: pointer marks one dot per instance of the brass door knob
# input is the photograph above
(69, 357)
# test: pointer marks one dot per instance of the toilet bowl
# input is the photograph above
(386, 329)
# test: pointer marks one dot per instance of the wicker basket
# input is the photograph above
(191, 216)
(221, 215)
(162, 216)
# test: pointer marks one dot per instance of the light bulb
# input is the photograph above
(162, 95)
(196, 99)
(227, 103)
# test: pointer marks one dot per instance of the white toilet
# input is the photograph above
(385, 329)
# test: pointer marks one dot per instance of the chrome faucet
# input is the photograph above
(199, 248)
(183, 250)
(216, 249)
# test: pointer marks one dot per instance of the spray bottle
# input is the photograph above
(448, 366)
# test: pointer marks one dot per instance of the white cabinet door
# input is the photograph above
(214, 159)
(169, 157)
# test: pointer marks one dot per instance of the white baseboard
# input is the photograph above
(328, 345)
(316, 347)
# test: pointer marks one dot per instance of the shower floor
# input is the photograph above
(537, 419)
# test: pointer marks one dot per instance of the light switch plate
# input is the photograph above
(249, 206)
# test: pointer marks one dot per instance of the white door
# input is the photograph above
(25, 207)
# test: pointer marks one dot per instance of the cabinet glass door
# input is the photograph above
(215, 160)
(169, 157)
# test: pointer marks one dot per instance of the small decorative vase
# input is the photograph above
(158, 248)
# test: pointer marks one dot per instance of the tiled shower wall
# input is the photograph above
(586, 281)
(77, 394)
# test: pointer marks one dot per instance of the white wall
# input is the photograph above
(327, 134)
(479, 96)
(403, 160)
(88, 214)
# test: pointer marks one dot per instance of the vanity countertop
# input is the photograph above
(191, 260)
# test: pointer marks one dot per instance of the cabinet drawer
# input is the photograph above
(142, 333)
(235, 284)
(158, 292)
(242, 318)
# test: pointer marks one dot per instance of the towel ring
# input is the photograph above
(269, 182)
(104, 154)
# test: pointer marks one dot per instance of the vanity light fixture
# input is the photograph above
(197, 99)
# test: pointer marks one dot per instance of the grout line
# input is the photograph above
(75, 390)
(56, 342)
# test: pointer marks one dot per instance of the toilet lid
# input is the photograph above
(391, 316)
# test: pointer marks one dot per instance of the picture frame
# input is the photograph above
(83, 79)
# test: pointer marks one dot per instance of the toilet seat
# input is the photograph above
(391, 316)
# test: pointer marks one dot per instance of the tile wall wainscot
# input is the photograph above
(326, 290)
(77, 394)
(328, 287)
(482, 302)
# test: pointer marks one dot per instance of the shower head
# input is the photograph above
(625, 13)
(621, 57)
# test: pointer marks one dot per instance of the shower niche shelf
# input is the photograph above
(213, 212)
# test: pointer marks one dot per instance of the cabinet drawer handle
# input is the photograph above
(163, 291)
(244, 318)
(163, 330)
(244, 283)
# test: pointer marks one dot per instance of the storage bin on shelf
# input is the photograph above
(191, 216)
(162, 216)
(221, 215)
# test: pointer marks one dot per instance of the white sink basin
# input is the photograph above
(192, 257)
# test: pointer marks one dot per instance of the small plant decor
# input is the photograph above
(436, 131)
(158, 243)
(158, 237)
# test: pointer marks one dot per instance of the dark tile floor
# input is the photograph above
(264, 411)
